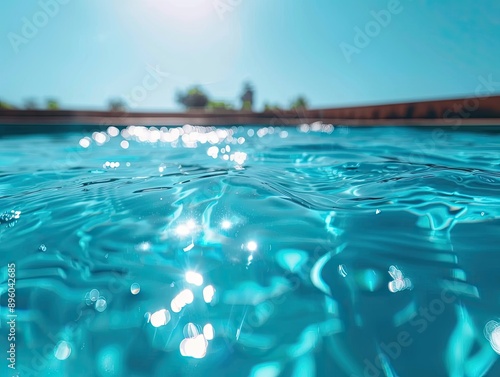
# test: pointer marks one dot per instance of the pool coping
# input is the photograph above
(469, 111)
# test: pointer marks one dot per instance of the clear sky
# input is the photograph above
(84, 52)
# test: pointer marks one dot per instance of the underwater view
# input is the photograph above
(251, 251)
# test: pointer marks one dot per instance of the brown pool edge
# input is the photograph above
(469, 112)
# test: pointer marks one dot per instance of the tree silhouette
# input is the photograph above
(52, 104)
(5, 106)
(300, 103)
(194, 98)
(247, 97)
(219, 105)
(30, 104)
(269, 107)
(117, 105)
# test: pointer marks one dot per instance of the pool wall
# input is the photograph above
(469, 111)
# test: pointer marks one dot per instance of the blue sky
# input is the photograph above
(84, 52)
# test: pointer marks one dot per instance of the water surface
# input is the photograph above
(253, 251)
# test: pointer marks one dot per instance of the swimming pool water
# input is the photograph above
(252, 251)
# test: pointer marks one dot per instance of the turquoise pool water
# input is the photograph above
(251, 251)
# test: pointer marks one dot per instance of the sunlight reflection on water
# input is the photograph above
(253, 251)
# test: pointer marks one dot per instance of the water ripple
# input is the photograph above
(296, 249)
